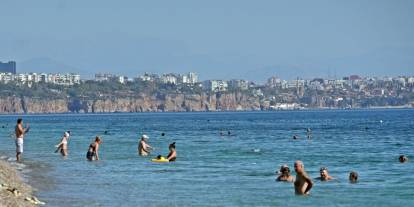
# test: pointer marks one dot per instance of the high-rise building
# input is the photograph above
(9, 67)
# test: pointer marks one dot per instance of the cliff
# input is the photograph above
(140, 103)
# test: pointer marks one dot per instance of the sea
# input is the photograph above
(215, 167)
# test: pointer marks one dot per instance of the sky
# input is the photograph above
(222, 39)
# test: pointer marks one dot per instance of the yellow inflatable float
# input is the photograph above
(161, 159)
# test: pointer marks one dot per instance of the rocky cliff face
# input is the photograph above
(141, 103)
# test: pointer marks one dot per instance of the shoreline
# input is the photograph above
(14, 191)
(219, 111)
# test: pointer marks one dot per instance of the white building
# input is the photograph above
(274, 82)
(192, 78)
(169, 78)
(215, 85)
(238, 84)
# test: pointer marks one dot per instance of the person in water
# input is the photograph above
(93, 150)
(353, 177)
(324, 175)
(309, 133)
(143, 147)
(63, 144)
(303, 183)
(295, 136)
(173, 153)
(403, 158)
(284, 174)
(20, 132)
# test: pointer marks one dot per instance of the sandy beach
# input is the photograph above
(13, 191)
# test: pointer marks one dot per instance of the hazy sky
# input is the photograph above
(217, 39)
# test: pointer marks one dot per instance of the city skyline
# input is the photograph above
(216, 39)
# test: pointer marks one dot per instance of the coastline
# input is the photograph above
(214, 111)
(13, 190)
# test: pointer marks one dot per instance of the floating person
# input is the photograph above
(173, 153)
(162, 134)
(63, 144)
(143, 147)
(353, 177)
(324, 175)
(106, 132)
(93, 150)
(228, 133)
(403, 158)
(20, 133)
(309, 133)
(303, 183)
(295, 136)
(284, 174)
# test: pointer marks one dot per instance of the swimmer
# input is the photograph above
(173, 153)
(403, 158)
(303, 183)
(143, 147)
(162, 134)
(295, 136)
(284, 174)
(228, 133)
(309, 133)
(353, 177)
(63, 144)
(324, 175)
(93, 150)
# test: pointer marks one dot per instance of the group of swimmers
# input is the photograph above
(144, 149)
(93, 150)
(303, 183)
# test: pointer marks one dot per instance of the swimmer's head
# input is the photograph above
(98, 139)
(171, 146)
(323, 173)
(284, 170)
(163, 134)
(353, 177)
(66, 134)
(144, 136)
(298, 166)
(403, 158)
(19, 120)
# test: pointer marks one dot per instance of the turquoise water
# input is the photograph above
(214, 170)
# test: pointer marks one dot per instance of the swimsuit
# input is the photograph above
(91, 154)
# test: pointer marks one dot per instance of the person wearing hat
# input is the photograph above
(143, 147)
(63, 144)
(284, 174)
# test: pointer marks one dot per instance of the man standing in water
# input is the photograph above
(303, 183)
(20, 132)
